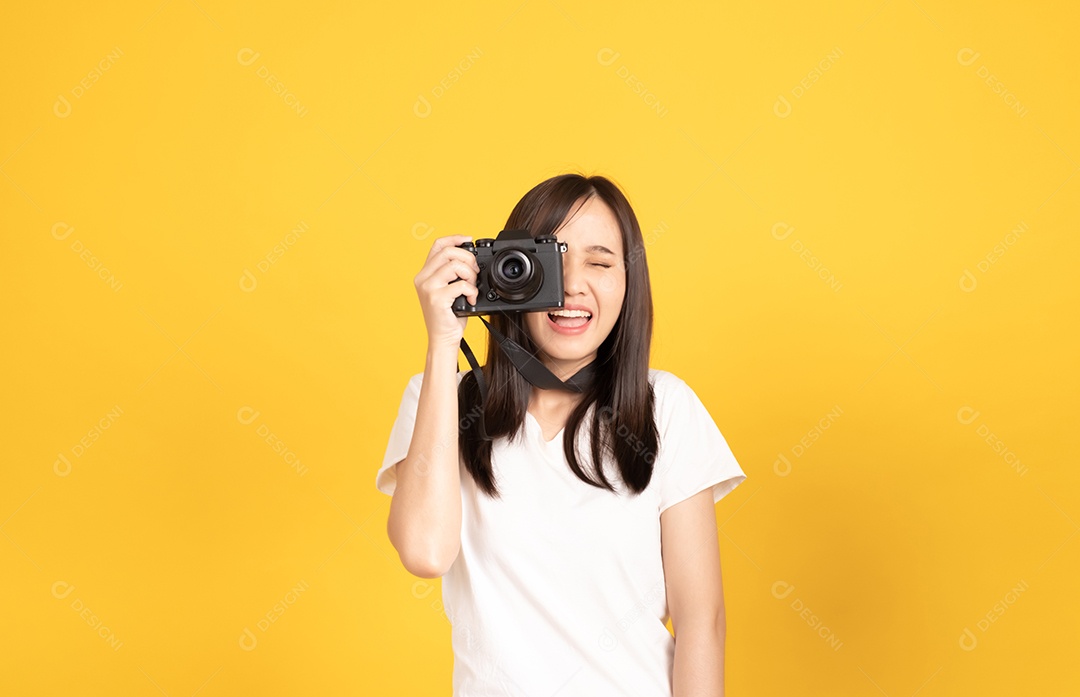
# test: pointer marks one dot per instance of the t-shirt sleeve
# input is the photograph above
(694, 455)
(400, 436)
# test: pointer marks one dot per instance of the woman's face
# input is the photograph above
(594, 284)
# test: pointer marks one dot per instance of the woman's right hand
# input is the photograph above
(449, 271)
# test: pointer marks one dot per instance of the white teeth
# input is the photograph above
(570, 313)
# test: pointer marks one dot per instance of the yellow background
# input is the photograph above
(261, 183)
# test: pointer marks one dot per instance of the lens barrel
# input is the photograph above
(515, 275)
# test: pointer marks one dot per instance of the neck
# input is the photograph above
(547, 400)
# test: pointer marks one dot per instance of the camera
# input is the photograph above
(518, 273)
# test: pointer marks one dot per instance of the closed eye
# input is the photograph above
(606, 266)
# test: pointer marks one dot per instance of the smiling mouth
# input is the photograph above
(570, 318)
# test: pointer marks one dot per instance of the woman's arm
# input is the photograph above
(425, 512)
(691, 555)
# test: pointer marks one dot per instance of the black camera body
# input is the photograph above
(518, 273)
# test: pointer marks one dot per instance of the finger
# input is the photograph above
(458, 288)
(450, 272)
(448, 241)
(462, 255)
(442, 298)
(447, 257)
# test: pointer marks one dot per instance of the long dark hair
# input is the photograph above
(622, 423)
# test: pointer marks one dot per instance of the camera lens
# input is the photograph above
(515, 276)
(513, 268)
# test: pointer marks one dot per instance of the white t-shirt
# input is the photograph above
(559, 585)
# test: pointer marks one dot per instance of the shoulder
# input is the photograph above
(663, 378)
(666, 383)
(674, 397)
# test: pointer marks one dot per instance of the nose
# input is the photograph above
(573, 279)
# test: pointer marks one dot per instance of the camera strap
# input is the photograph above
(530, 368)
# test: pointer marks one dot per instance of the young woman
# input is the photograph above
(568, 538)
